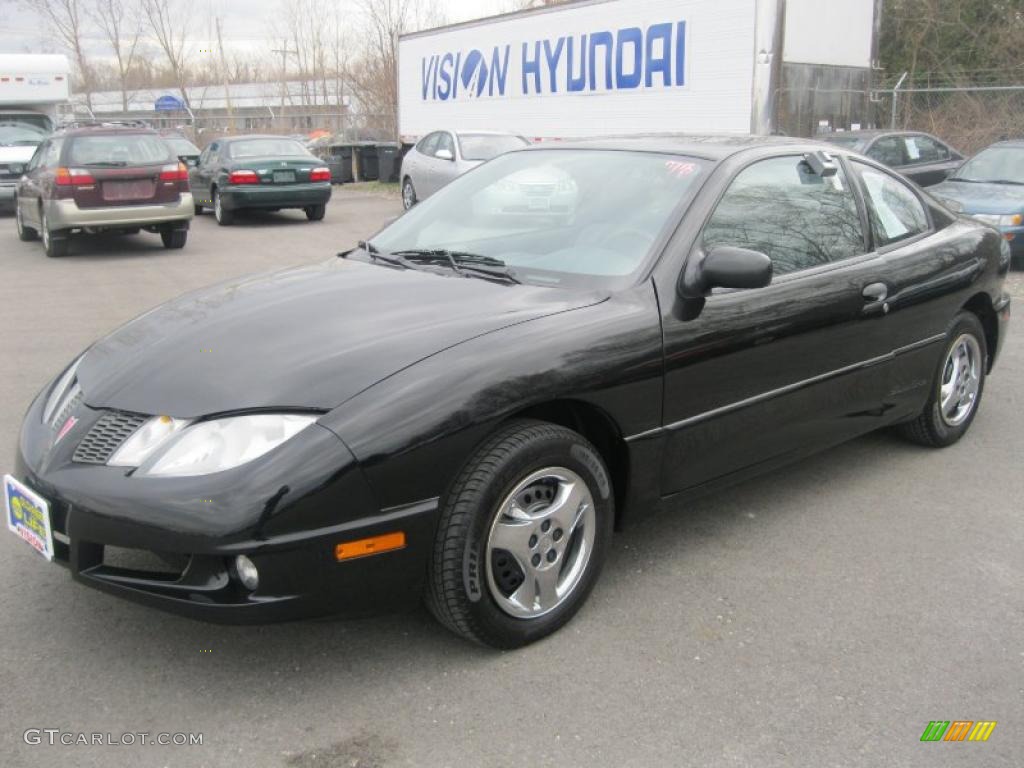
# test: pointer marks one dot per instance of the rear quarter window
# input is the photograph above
(118, 149)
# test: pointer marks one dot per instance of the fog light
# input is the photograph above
(247, 573)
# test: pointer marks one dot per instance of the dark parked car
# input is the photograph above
(990, 187)
(265, 172)
(103, 178)
(466, 405)
(920, 157)
(184, 149)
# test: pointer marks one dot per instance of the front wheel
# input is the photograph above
(25, 234)
(408, 194)
(315, 212)
(523, 534)
(956, 389)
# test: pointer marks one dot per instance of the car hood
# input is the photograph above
(982, 198)
(307, 337)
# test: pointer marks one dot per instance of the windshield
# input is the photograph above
(480, 146)
(267, 148)
(182, 146)
(555, 216)
(849, 142)
(1005, 164)
(18, 134)
(119, 148)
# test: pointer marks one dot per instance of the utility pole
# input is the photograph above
(224, 76)
(284, 50)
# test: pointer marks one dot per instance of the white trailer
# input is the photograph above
(33, 89)
(600, 67)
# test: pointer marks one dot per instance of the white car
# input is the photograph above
(442, 156)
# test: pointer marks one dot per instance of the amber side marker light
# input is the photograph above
(374, 545)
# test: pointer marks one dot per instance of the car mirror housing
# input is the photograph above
(444, 154)
(725, 266)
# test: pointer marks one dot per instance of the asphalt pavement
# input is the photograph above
(818, 617)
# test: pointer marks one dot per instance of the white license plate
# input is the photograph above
(539, 203)
(284, 176)
(28, 516)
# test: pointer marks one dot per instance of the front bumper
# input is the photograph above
(286, 511)
(65, 214)
(269, 196)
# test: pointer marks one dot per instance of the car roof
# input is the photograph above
(1016, 143)
(870, 133)
(710, 147)
(103, 129)
(230, 139)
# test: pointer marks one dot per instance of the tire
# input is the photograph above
(25, 234)
(223, 216)
(315, 212)
(408, 194)
(174, 238)
(506, 604)
(55, 244)
(938, 426)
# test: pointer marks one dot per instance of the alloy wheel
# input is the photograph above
(44, 227)
(408, 195)
(961, 380)
(540, 542)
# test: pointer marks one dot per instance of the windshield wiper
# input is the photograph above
(106, 164)
(461, 262)
(1006, 181)
(377, 255)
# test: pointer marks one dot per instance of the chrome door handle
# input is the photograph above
(875, 295)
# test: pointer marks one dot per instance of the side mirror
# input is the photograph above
(444, 154)
(191, 162)
(725, 266)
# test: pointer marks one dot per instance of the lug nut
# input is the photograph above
(557, 535)
(545, 526)
(535, 560)
(552, 555)
(533, 541)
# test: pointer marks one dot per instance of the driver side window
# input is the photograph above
(429, 144)
(445, 141)
(781, 208)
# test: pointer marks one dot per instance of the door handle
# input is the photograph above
(875, 295)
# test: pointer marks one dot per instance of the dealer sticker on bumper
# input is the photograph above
(28, 516)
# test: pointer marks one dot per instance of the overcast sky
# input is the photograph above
(247, 23)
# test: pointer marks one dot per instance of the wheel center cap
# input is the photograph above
(545, 543)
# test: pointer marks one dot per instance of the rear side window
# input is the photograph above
(266, 148)
(781, 208)
(888, 151)
(118, 149)
(895, 211)
(925, 149)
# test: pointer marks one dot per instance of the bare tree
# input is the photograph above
(66, 19)
(122, 27)
(374, 78)
(168, 21)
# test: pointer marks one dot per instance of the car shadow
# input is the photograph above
(257, 218)
(109, 246)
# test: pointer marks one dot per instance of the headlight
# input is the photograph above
(1000, 220)
(146, 439)
(219, 444)
(60, 389)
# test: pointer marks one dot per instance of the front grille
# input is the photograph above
(107, 435)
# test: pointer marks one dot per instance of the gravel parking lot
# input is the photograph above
(818, 617)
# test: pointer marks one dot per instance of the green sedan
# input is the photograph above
(265, 172)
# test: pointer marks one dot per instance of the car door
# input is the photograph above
(415, 164)
(28, 186)
(755, 377)
(436, 171)
(202, 175)
(448, 167)
(889, 151)
(42, 177)
(930, 161)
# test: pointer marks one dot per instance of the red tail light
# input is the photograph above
(73, 177)
(174, 172)
(320, 174)
(243, 177)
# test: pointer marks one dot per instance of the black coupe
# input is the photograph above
(466, 406)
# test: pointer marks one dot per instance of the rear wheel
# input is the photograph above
(222, 214)
(199, 209)
(523, 533)
(25, 234)
(956, 388)
(408, 194)
(54, 243)
(174, 238)
(315, 212)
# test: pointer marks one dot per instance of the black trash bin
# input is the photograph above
(339, 161)
(366, 154)
(389, 161)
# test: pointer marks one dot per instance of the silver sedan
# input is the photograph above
(443, 156)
